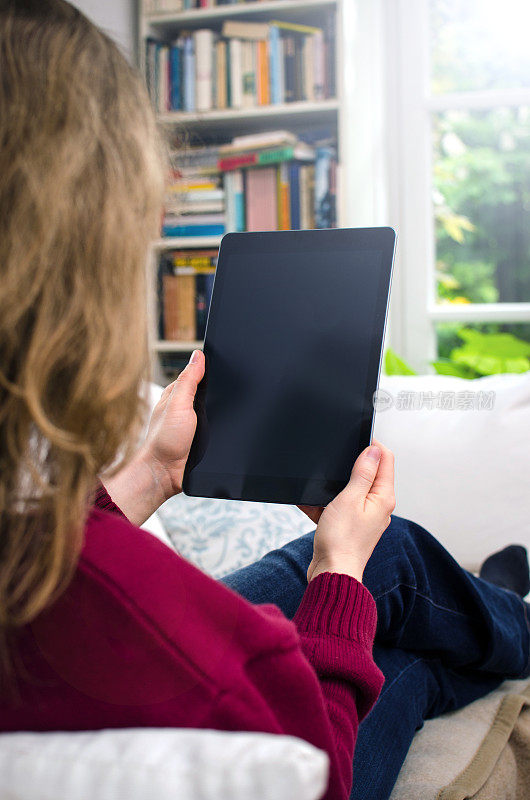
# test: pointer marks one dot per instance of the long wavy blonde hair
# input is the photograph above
(81, 182)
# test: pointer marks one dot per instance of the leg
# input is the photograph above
(415, 689)
(426, 602)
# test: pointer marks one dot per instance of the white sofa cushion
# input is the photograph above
(462, 472)
(149, 764)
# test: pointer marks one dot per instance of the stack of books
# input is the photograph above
(274, 181)
(264, 181)
(249, 64)
(185, 282)
(195, 197)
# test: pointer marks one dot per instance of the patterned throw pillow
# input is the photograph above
(220, 536)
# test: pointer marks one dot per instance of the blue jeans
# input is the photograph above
(444, 638)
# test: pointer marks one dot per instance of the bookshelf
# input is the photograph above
(220, 125)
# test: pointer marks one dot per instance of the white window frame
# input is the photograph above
(409, 107)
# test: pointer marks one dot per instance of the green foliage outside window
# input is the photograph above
(481, 178)
(482, 205)
(477, 355)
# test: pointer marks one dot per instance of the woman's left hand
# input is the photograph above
(173, 423)
(155, 473)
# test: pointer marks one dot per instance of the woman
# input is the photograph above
(101, 625)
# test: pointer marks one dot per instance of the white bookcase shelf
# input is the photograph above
(258, 118)
(273, 9)
(185, 242)
(163, 346)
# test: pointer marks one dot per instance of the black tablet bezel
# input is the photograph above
(289, 490)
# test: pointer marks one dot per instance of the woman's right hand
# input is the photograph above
(352, 524)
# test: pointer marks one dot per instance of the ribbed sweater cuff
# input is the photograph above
(338, 605)
(103, 500)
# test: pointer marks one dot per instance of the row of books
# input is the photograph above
(270, 181)
(195, 197)
(250, 64)
(165, 6)
(185, 290)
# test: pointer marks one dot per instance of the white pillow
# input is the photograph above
(150, 764)
(464, 474)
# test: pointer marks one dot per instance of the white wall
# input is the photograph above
(115, 17)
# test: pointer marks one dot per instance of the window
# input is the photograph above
(459, 111)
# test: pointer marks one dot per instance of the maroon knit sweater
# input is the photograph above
(141, 638)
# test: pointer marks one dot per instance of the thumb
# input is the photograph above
(364, 471)
(190, 377)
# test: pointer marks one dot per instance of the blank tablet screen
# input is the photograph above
(292, 350)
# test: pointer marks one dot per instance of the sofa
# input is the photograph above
(461, 470)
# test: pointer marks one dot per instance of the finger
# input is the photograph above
(186, 384)
(364, 472)
(384, 480)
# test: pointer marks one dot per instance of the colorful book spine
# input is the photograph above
(230, 209)
(176, 75)
(221, 93)
(294, 195)
(308, 67)
(235, 201)
(170, 294)
(199, 260)
(329, 56)
(307, 196)
(189, 75)
(186, 313)
(261, 158)
(319, 66)
(275, 59)
(203, 47)
(289, 68)
(261, 202)
(236, 78)
(263, 74)
(235, 162)
(239, 200)
(284, 211)
(192, 230)
(248, 74)
(179, 307)
(323, 206)
(163, 79)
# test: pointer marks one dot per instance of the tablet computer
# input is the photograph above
(293, 348)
